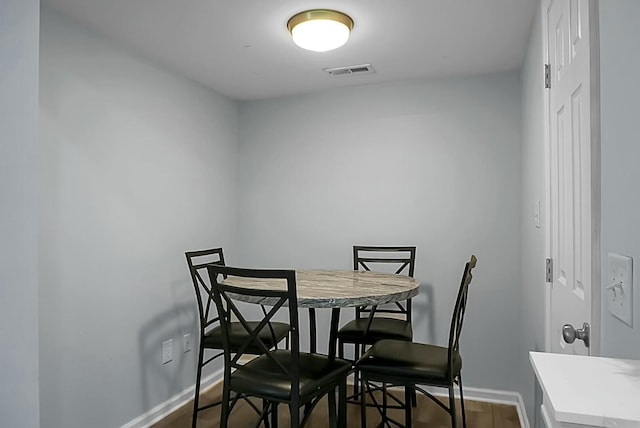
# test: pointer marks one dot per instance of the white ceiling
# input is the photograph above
(242, 49)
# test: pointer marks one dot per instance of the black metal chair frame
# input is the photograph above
(407, 263)
(279, 301)
(360, 261)
(412, 380)
(208, 320)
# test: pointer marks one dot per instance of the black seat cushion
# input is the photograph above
(238, 335)
(263, 377)
(414, 361)
(381, 328)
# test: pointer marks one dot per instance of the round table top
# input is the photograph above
(336, 288)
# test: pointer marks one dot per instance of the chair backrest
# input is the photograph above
(398, 260)
(459, 310)
(198, 262)
(280, 300)
(401, 259)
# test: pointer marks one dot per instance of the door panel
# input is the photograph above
(570, 171)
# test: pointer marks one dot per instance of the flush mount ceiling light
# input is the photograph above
(320, 30)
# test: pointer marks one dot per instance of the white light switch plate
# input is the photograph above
(619, 287)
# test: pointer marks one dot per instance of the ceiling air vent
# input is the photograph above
(352, 69)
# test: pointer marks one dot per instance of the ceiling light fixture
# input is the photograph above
(320, 30)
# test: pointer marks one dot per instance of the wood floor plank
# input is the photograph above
(508, 415)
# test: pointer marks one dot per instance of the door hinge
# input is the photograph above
(549, 271)
(547, 76)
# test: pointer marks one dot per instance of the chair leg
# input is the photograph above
(452, 407)
(331, 398)
(265, 417)
(196, 398)
(224, 412)
(363, 404)
(384, 403)
(464, 416)
(356, 372)
(274, 414)
(409, 393)
(295, 415)
(342, 404)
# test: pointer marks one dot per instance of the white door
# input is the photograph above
(570, 168)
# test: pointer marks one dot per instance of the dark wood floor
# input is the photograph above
(425, 415)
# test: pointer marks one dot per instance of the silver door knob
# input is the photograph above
(570, 334)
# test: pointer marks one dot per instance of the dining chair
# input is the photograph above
(209, 322)
(374, 323)
(409, 364)
(277, 376)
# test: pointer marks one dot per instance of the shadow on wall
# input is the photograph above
(162, 381)
(424, 313)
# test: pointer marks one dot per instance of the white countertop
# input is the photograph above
(602, 392)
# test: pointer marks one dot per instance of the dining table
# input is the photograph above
(335, 290)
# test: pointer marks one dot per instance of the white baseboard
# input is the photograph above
(501, 397)
(162, 410)
(477, 394)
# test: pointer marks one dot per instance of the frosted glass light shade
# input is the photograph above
(320, 30)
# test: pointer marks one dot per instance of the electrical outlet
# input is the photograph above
(620, 287)
(186, 342)
(167, 351)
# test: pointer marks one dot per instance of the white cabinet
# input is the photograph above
(580, 392)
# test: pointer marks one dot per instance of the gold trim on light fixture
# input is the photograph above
(319, 15)
(309, 15)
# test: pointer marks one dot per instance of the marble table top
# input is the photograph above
(336, 288)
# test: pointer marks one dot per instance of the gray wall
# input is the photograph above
(125, 146)
(18, 213)
(137, 166)
(533, 238)
(620, 68)
(433, 163)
